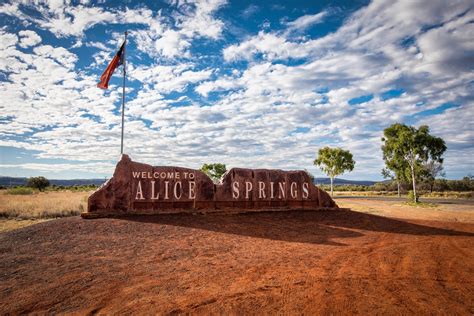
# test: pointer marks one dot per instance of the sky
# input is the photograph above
(257, 84)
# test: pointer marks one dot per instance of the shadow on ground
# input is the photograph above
(297, 226)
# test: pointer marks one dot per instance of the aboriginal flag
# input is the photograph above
(116, 61)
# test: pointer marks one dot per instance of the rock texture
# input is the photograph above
(138, 188)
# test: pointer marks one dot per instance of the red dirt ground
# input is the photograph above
(329, 262)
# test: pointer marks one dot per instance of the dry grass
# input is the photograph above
(43, 205)
(12, 224)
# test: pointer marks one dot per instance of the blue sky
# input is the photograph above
(249, 84)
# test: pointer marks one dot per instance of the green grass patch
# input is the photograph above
(20, 191)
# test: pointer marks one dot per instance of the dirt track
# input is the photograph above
(291, 263)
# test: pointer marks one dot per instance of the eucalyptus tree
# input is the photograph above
(406, 150)
(39, 183)
(334, 162)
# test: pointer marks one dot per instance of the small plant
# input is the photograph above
(20, 191)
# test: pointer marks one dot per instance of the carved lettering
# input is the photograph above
(248, 188)
(176, 196)
(305, 190)
(282, 191)
(153, 197)
(235, 190)
(166, 190)
(139, 195)
(293, 190)
(271, 191)
(261, 190)
(192, 192)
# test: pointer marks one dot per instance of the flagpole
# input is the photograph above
(123, 90)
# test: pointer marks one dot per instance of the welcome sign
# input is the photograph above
(138, 188)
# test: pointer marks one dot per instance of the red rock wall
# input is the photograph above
(138, 188)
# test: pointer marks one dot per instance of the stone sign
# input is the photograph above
(138, 188)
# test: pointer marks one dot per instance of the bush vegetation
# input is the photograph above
(440, 188)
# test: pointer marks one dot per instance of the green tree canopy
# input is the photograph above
(214, 170)
(406, 150)
(39, 183)
(334, 162)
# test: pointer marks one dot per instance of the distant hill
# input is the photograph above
(343, 181)
(12, 181)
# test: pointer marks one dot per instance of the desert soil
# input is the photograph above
(326, 262)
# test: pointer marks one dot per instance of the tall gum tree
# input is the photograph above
(406, 150)
(334, 162)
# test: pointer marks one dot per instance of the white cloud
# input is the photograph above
(250, 10)
(166, 79)
(171, 44)
(29, 38)
(194, 19)
(305, 21)
(8, 39)
(270, 45)
(95, 167)
(73, 21)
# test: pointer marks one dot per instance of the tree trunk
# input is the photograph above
(398, 188)
(414, 183)
(331, 186)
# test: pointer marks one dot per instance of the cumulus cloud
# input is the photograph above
(193, 20)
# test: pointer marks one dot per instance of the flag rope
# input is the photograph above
(123, 90)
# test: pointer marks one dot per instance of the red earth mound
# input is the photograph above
(340, 262)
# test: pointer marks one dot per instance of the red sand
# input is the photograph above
(287, 263)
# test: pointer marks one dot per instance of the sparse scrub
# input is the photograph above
(412, 198)
(43, 205)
